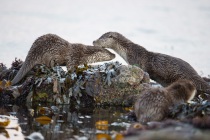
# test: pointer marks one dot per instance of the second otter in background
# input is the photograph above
(154, 103)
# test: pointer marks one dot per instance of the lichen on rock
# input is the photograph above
(129, 74)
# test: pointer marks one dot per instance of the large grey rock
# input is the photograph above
(130, 74)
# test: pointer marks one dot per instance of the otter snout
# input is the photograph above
(95, 43)
(98, 43)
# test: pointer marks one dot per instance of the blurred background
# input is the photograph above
(180, 28)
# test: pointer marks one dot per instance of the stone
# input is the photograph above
(128, 74)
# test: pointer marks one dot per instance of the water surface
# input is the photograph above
(179, 28)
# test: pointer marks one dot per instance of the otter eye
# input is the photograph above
(110, 36)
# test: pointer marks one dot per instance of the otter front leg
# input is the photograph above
(48, 60)
(71, 65)
(52, 63)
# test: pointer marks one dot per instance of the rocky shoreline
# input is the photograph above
(110, 84)
(107, 84)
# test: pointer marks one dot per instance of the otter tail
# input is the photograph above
(26, 67)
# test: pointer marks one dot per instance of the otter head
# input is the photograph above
(97, 54)
(189, 88)
(107, 40)
(182, 90)
(104, 55)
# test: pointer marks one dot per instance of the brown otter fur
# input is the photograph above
(162, 68)
(154, 103)
(51, 49)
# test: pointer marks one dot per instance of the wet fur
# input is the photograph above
(154, 103)
(51, 50)
(162, 68)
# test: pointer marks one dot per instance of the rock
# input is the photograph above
(107, 84)
(167, 130)
(126, 85)
(128, 74)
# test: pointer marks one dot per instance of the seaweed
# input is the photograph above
(200, 107)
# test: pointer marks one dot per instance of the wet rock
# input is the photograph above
(124, 88)
(6, 97)
(35, 136)
(201, 122)
(15, 95)
(107, 84)
(168, 129)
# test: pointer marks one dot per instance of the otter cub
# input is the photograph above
(154, 103)
(162, 68)
(51, 49)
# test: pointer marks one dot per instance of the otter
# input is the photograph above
(161, 68)
(154, 103)
(50, 50)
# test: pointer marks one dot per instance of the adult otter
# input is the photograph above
(162, 68)
(154, 103)
(51, 49)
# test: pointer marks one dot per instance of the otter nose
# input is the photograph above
(94, 42)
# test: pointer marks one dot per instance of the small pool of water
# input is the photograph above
(63, 122)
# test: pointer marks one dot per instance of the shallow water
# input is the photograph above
(66, 122)
(179, 28)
